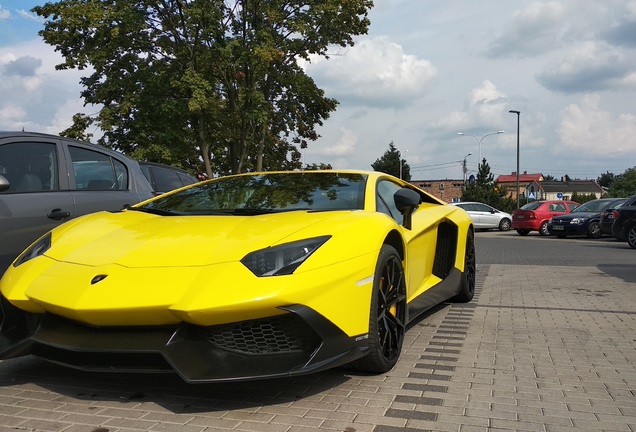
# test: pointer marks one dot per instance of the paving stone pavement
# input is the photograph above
(540, 349)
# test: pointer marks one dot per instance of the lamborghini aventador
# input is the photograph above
(241, 277)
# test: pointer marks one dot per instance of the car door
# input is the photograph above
(38, 197)
(99, 180)
(488, 217)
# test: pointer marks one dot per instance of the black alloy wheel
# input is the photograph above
(469, 275)
(387, 318)
(594, 230)
(631, 237)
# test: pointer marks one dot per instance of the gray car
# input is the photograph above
(46, 180)
(485, 216)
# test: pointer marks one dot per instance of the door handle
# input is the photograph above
(58, 214)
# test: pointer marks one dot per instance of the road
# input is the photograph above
(548, 345)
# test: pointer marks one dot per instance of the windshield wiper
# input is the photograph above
(159, 212)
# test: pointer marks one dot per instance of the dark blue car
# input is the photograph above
(583, 220)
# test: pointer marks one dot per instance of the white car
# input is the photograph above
(485, 216)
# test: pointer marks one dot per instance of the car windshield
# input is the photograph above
(532, 205)
(593, 206)
(265, 193)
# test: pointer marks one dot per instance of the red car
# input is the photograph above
(535, 215)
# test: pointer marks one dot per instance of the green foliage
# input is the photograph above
(606, 180)
(485, 190)
(390, 163)
(624, 185)
(583, 198)
(211, 84)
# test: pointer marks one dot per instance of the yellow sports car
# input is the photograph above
(241, 277)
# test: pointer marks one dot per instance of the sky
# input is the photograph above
(426, 70)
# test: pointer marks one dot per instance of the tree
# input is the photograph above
(392, 163)
(549, 177)
(485, 190)
(624, 185)
(606, 180)
(204, 82)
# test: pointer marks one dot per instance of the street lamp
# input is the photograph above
(518, 115)
(479, 140)
(464, 168)
(401, 163)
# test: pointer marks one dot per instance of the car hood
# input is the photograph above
(570, 216)
(136, 239)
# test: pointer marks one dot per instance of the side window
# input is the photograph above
(572, 206)
(97, 171)
(482, 208)
(385, 202)
(29, 167)
(165, 179)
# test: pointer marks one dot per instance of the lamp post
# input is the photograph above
(401, 163)
(479, 140)
(464, 168)
(518, 115)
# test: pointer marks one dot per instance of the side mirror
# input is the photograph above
(4, 184)
(406, 200)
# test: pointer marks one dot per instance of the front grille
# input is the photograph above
(280, 334)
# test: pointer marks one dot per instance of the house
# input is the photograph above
(525, 181)
(553, 190)
(448, 190)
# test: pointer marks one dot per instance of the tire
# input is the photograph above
(631, 236)
(387, 318)
(523, 232)
(594, 230)
(543, 229)
(504, 224)
(467, 286)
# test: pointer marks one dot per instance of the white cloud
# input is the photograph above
(4, 14)
(587, 130)
(373, 72)
(29, 16)
(345, 145)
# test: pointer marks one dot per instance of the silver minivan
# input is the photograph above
(46, 180)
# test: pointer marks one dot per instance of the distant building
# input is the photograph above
(526, 181)
(448, 190)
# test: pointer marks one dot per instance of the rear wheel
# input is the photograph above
(387, 319)
(594, 230)
(631, 237)
(523, 232)
(504, 225)
(467, 287)
(543, 229)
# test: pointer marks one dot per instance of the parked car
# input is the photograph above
(624, 228)
(332, 267)
(46, 180)
(164, 178)
(583, 220)
(607, 215)
(535, 215)
(485, 216)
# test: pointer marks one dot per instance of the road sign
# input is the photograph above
(559, 195)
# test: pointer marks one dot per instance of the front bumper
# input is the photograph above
(568, 229)
(297, 342)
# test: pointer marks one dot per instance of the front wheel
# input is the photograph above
(469, 275)
(504, 225)
(387, 318)
(631, 237)
(523, 232)
(594, 230)
(543, 229)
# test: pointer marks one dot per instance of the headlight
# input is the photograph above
(577, 221)
(283, 259)
(35, 250)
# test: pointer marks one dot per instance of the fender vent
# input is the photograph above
(445, 250)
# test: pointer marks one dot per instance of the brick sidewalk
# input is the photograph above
(539, 349)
